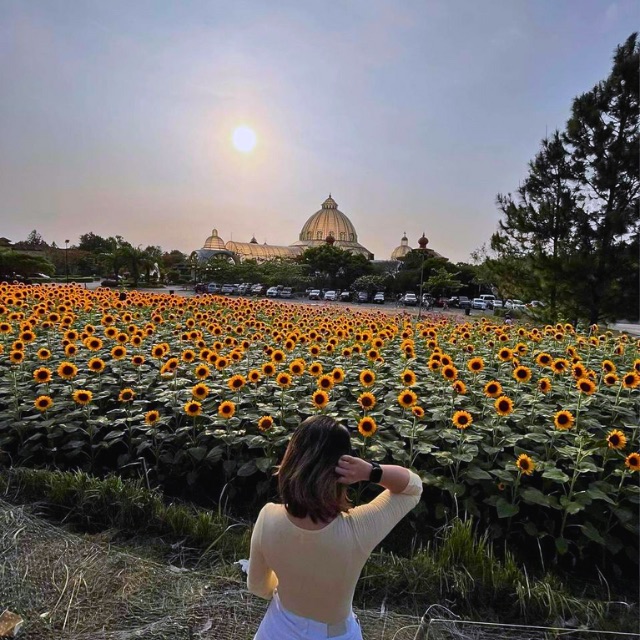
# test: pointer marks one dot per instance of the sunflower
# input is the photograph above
(632, 461)
(367, 378)
(616, 439)
(630, 380)
(320, 399)
(67, 370)
(227, 409)
(544, 359)
(42, 375)
(284, 380)
(188, 355)
(254, 376)
(200, 391)
(82, 396)
(151, 417)
(417, 411)
(268, 369)
(459, 387)
(202, 372)
(158, 351)
(296, 367)
(610, 379)
(407, 398)
(325, 382)
(503, 405)
(265, 423)
(93, 343)
(193, 408)
(449, 372)
(505, 354)
(579, 370)
(374, 354)
(278, 356)
(137, 360)
(367, 400)
(96, 365)
(560, 365)
(235, 383)
(475, 365)
(586, 386)
(42, 403)
(337, 374)
(525, 464)
(544, 385)
(118, 352)
(367, 426)
(522, 374)
(44, 354)
(16, 356)
(126, 395)
(462, 419)
(493, 389)
(563, 420)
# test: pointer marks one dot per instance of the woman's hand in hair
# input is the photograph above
(352, 470)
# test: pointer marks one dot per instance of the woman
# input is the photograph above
(307, 553)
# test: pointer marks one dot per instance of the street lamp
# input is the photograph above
(66, 259)
(423, 242)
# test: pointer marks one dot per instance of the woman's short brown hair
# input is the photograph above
(307, 481)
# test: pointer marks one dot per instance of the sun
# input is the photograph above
(244, 139)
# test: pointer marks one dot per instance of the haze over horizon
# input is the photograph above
(118, 117)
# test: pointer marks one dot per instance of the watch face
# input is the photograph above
(376, 473)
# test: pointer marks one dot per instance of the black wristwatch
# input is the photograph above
(376, 472)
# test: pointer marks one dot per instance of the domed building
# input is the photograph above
(401, 251)
(330, 223)
(213, 246)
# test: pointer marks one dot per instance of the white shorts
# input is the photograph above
(280, 624)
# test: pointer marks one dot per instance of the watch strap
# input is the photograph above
(376, 472)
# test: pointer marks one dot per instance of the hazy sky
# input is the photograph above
(116, 116)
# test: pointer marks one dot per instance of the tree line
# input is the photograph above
(569, 236)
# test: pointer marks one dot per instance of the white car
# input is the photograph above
(516, 305)
(272, 292)
(497, 304)
(330, 295)
(479, 303)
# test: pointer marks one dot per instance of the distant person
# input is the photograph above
(307, 553)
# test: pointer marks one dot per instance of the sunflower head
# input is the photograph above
(449, 372)
(462, 419)
(42, 375)
(96, 365)
(42, 403)
(126, 395)
(67, 370)
(407, 398)
(82, 396)
(227, 409)
(284, 380)
(459, 387)
(367, 378)
(325, 382)
(193, 408)
(235, 383)
(525, 464)
(417, 411)
(254, 376)
(265, 423)
(544, 385)
(200, 391)
(151, 417)
(563, 420)
(616, 439)
(493, 389)
(504, 405)
(586, 386)
(367, 426)
(475, 365)
(632, 461)
(631, 380)
(367, 400)
(320, 399)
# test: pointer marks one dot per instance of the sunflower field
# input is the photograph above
(532, 431)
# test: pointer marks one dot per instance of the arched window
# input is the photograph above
(309, 235)
(342, 235)
(319, 235)
(352, 237)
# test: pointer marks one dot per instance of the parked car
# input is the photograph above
(258, 289)
(287, 292)
(516, 305)
(243, 289)
(315, 294)
(331, 295)
(410, 299)
(345, 296)
(464, 302)
(227, 289)
(479, 303)
(212, 287)
(379, 298)
(497, 304)
(200, 287)
(489, 299)
(272, 292)
(362, 296)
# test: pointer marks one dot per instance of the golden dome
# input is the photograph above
(402, 250)
(261, 252)
(214, 241)
(331, 222)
